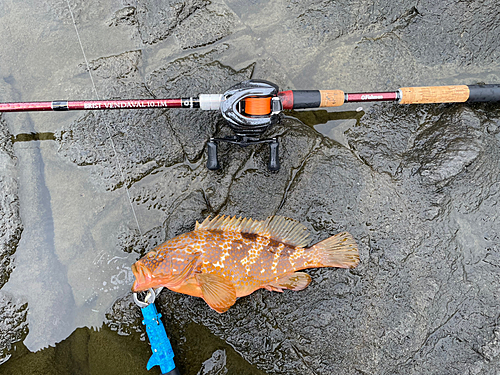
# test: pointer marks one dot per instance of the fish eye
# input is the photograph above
(151, 254)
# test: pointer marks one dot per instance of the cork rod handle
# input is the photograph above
(434, 94)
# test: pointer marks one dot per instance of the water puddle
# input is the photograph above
(331, 124)
(105, 351)
(322, 117)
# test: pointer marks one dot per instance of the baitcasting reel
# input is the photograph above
(250, 108)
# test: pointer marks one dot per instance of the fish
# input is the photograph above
(227, 257)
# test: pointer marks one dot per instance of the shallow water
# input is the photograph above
(70, 264)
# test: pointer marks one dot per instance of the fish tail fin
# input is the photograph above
(337, 251)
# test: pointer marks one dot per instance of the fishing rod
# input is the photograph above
(251, 107)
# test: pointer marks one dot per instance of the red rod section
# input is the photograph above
(125, 104)
(371, 96)
(19, 107)
(99, 104)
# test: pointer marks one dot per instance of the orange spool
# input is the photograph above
(258, 106)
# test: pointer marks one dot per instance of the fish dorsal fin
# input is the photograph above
(278, 228)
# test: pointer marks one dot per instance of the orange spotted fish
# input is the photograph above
(228, 257)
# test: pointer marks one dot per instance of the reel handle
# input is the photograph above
(212, 161)
(274, 161)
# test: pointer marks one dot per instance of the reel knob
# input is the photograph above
(274, 161)
(212, 161)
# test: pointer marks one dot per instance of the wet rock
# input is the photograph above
(426, 281)
(157, 19)
(135, 141)
(322, 21)
(207, 25)
(119, 77)
(215, 365)
(125, 317)
(117, 68)
(136, 145)
(13, 324)
(447, 148)
(131, 240)
(125, 16)
(453, 30)
(382, 140)
(417, 186)
(398, 32)
(113, 141)
(10, 221)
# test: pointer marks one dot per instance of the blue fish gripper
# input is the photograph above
(163, 355)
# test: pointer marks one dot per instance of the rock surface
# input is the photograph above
(424, 293)
(417, 186)
(10, 222)
(13, 327)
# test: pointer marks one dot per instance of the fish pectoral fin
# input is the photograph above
(217, 291)
(292, 281)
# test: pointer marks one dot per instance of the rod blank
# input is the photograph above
(65, 105)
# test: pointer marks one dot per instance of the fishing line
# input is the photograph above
(105, 123)
(163, 344)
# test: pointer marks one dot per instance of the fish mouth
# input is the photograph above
(142, 277)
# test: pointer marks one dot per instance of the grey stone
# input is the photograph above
(156, 20)
(10, 221)
(13, 325)
(215, 365)
(427, 278)
(417, 186)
